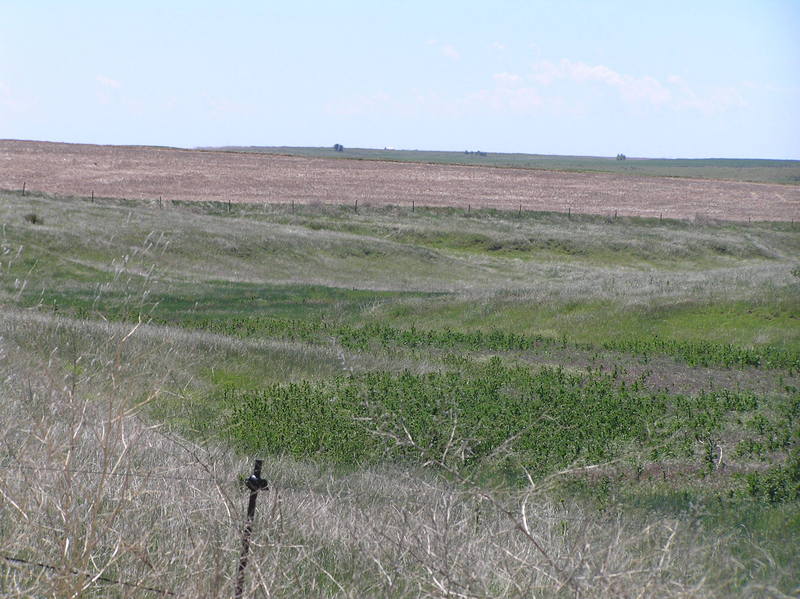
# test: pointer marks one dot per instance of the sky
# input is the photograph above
(649, 79)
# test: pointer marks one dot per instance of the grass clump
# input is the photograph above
(33, 219)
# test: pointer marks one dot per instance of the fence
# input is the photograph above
(228, 205)
(254, 484)
(520, 209)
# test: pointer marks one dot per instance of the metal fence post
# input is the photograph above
(255, 483)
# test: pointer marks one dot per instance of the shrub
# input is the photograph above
(34, 218)
(775, 485)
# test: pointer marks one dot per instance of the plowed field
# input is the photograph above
(149, 173)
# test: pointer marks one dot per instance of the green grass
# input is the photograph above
(497, 344)
(216, 300)
(584, 281)
(542, 421)
(383, 338)
(601, 323)
(634, 285)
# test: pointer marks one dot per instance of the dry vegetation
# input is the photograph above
(99, 501)
(122, 323)
(193, 175)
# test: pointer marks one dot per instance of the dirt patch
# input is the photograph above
(186, 175)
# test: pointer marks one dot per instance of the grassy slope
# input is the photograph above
(578, 281)
(739, 169)
(539, 273)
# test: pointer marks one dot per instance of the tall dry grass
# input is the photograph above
(102, 502)
(98, 500)
(394, 250)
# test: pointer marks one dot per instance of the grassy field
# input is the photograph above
(450, 403)
(734, 169)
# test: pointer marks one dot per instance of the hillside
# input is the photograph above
(450, 400)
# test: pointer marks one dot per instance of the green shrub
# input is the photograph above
(779, 483)
(485, 415)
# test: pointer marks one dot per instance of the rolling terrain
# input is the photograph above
(451, 399)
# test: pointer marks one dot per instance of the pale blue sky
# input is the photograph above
(692, 79)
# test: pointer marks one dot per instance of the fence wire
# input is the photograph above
(19, 560)
(129, 474)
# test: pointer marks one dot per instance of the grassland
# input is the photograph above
(172, 175)
(733, 169)
(450, 402)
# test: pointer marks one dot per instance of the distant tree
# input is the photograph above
(338, 147)
(621, 157)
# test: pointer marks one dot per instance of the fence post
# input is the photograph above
(255, 483)
(23, 189)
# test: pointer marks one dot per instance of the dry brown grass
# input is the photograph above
(192, 175)
(93, 489)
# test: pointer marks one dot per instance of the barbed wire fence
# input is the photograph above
(254, 484)
(94, 577)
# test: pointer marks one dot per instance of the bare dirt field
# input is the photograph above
(173, 174)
